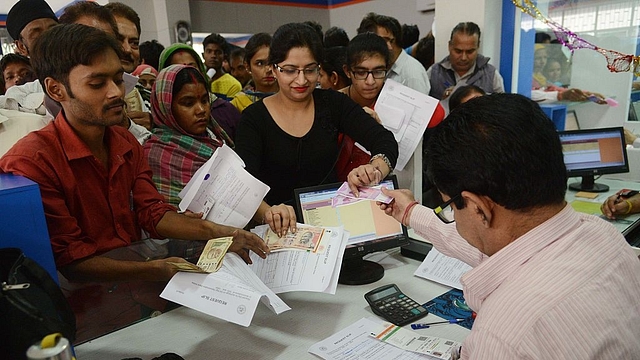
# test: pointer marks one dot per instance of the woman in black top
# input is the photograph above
(289, 139)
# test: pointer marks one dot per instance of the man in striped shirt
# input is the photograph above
(547, 282)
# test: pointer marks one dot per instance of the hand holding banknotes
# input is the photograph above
(170, 266)
(245, 241)
(364, 175)
(400, 208)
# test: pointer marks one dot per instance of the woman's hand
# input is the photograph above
(281, 218)
(364, 175)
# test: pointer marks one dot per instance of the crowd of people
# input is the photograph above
(130, 123)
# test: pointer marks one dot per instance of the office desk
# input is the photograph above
(313, 317)
(629, 225)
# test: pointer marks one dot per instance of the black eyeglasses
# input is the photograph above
(363, 74)
(291, 71)
(444, 212)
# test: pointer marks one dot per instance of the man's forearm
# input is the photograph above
(99, 269)
(179, 226)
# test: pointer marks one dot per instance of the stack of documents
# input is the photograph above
(374, 339)
(232, 293)
(223, 190)
(406, 113)
(442, 269)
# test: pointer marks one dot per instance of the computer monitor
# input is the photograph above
(590, 152)
(369, 227)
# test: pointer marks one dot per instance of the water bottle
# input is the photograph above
(52, 347)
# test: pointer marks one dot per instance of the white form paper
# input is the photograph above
(356, 342)
(405, 112)
(298, 270)
(231, 294)
(410, 340)
(442, 269)
(223, 190)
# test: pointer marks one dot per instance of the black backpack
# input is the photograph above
(31, 305)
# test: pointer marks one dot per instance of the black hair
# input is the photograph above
(334, 58)
(239, 52)
(316, 27)
(215, 39)
(150, 53)
(501, 146)
(187, 76)
(410, 35)
(293, 35)
(425, 50)
(335, 36)
(372, 20)
(125, 11)
(455, 100)
(254, 44)
(58, 50)
(468, 28)
(542, 37)
(365, 45)
(90, 9)
(13, 59)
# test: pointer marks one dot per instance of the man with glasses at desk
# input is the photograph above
(547, 282)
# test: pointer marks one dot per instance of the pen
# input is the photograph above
(428, 325)
(617, 200)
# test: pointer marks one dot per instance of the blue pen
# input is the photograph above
(428, 325)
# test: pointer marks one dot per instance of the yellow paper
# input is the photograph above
(586, 207)
(585, 194)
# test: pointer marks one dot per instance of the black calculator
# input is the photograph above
(394, 306)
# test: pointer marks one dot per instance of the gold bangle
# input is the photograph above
(630, 207)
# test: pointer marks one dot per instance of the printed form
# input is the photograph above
(298, 270)
(405, 112)
(231, 294)
(223, 190)
(356, 342)
(442, 269)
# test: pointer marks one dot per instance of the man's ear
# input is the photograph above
(346, 71)
(55, 89)
(482, 206)
(21, 48)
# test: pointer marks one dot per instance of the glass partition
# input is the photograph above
(603, 33)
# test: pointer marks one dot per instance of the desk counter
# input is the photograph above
(313, 317)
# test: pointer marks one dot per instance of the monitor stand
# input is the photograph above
(588, 184)
(357, 271)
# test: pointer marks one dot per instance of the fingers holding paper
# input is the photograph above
(244, 241)
(170, 266)
(281, 218)
(402, 198)
(363, 175)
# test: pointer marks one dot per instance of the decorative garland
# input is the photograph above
(616, 61)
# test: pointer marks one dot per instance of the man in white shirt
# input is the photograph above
(404, 69)
(547, 282)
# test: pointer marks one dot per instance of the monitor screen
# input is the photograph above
(370, 229)
(590, 152)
